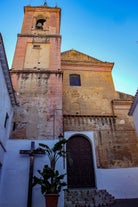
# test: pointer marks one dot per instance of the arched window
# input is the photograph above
(40, 23)
(74, 80)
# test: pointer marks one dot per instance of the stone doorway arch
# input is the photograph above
(80, 167)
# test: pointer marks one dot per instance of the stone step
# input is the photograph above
(87, 198)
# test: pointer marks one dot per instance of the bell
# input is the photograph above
(39, 25)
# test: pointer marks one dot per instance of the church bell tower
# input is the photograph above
(36, 75)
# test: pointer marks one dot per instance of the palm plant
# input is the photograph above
(54, 153)
(50, 180)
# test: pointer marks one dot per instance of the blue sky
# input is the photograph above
(104, 29)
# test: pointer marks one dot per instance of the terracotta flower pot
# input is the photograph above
(51, 200)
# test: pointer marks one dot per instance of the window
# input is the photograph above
(6, 120)
(36, 46)
(74, 80)
(40, 23)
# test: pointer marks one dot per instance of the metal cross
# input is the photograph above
(45, 3)
(32, 152)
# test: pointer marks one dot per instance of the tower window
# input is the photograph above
(74, 80)
(40, 23)
(36, 46)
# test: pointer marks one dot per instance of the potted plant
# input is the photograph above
(50, 180)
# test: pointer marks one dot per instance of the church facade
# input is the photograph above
(69, 94)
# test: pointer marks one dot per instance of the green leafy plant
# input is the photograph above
(54, 153)
(50, 180)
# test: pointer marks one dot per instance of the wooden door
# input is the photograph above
(80, 168)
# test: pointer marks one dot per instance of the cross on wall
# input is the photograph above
(32, 152)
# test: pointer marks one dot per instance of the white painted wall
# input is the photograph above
(135, 117)
(5, 106)
(15, 173)
(121, 183)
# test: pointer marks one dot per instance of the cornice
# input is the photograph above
(77, 62)
(36, 71)
(121, 102)
(37, 8)
(40, 35)
(88, 116)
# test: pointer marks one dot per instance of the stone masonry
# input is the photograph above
(88, 198)
(37, 77)
(96, 106)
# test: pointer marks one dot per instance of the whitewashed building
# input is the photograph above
(134, 111)
(7, 101)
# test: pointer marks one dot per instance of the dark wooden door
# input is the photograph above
(80, 168)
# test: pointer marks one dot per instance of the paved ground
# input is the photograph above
(126, 203)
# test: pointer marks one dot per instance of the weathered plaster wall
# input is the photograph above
(50, 43)
(95, 93)
(96, 106)
(48, 36)
(39, 111)
(37, 77)
(15, 174)
(51, 15)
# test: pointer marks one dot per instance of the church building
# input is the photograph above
(70, 94)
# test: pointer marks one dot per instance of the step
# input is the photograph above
(87, 198)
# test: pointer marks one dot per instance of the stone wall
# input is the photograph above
(95, 93)
(114, 146)
(39, 111)
(95, 106)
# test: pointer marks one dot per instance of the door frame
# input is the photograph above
(90, 136)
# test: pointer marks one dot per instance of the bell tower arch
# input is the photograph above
(41, 26)
(36, 75)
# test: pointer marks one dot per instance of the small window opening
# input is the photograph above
(40, 23)
(6, 120)
(36, 46)
(14, 126)
(74, 80)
